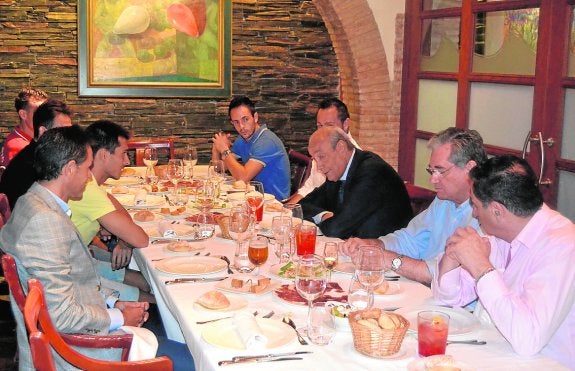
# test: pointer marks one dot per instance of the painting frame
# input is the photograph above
(166, 85)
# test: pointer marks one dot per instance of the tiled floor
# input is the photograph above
(8, 343)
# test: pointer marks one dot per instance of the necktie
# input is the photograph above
(340, 193)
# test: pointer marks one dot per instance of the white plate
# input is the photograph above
(275, 269)
(394, 288)
(125, 180)
(288, 294)
(236, 303)
(157, 218)
(226, 285)
(346, 267)
(182, 231)
(426, 363)
(460, 320)
(240, 196)
(223, 334)
(183, 247)
(152, 201)
(191, 265)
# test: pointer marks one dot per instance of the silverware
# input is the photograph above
(269, 315)
(201, 279)
(219, 319)
(468, 342)
(225, 258)
(392, 278)
(271, 355)
(292, 324)
(257, 360)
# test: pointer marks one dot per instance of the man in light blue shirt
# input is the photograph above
(411, 251)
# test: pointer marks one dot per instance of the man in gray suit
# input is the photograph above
(47, 246)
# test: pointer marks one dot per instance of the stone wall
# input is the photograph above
(282, 57)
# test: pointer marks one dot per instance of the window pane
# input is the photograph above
(441, 4)
(506, 42)
(422, 153)
(568, 144)
(566, 197)
(436, 105)
(440, 45)
(501, 113)
(571, 71)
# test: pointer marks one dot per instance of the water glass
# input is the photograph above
(321, 328)
(432, 330)
(358, 296)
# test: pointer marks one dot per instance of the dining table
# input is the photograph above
(212, 342)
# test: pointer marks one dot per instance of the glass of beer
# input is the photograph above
(258, 252)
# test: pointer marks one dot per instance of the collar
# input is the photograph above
(258, 133)
(22, 134)
(63, 205)
(344, 176)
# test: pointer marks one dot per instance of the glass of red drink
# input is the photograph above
(432, 329)
(305, 239)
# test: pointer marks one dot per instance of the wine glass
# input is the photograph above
(296, 213)
(254, 195)
(217, 170)
(150, 160)
(175, 171)
(281, 227)
(330, 257)
(258, 252)
(239, 222)
(190, 158)
(370, 270)
(206, 198)
(310, 280)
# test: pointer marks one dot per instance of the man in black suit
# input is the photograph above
(363, 195)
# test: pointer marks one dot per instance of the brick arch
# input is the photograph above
(365, 84)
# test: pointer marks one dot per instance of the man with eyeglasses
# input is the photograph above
(262, 154)
(411, 251)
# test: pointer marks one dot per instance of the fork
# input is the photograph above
(292, 324)
(269, 315)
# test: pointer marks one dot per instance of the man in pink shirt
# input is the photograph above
(523, 272)
(25, 103)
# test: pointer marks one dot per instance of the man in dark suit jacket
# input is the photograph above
(372, 200)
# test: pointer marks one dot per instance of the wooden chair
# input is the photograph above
(123, 341)
(164, 146)
(300, 165)
(420, 197)
(43, 336)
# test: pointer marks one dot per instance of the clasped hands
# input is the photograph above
(135, 313)
(466, 248)
(221, 142)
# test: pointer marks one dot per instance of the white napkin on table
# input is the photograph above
(172, 228)
(144, 343)
(140, 197)
(249, 332)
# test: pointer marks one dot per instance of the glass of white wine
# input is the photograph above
(330, 257)
(190, 159)
(150, 160)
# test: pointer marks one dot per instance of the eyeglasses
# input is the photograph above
(438, 172)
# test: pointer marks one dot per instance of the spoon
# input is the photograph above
(292, 324)
(469, 342)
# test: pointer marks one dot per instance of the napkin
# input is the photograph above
(144, 343)
(171, 229)
(140, 197)
(249, 332)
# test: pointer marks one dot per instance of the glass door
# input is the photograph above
(505, 68)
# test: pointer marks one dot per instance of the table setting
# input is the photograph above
(265, 316)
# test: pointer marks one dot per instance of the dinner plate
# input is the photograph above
(240, 196)
(152, 201)
(226, 285)
(440, 360)
(223, 334)
(191, 265)
(288, 294)
(460, 320)
(125, 180)
(236, 303)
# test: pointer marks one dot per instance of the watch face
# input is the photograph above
(396, 263)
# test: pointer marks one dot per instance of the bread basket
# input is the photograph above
(224, 223)
(375, 341)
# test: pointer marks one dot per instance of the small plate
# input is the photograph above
(393, 289)
(226, 285)
(152, 201)
(157, 218)
(183, 247)
(236, 303)
(460, 320)
(223, 334)
(346, 267)
(191, 265)
(125, 180)
(441, 360)
(183, 231)
(275, 270)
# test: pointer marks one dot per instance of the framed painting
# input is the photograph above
(154, 48)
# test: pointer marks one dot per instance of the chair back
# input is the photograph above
(420, 197)
(4, 209)
(122, 341)
(164, 147)
(43, 335)
(300, 165)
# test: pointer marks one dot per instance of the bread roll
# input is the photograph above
(381, 289)
(386, 322)
(213, 300)
(239, 184)
(144, 216)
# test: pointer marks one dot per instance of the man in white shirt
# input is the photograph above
(331, 112)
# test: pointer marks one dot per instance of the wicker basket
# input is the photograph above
(378, 343)
(224, 223)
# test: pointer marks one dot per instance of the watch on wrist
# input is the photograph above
(396, 263)
(226, 153)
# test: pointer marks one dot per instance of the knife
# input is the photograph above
(201, 279)
(240, 358)
(258, 360)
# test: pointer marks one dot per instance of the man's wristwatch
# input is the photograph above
(396, 263)
(225, 154)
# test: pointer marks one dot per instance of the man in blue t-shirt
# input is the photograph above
(262, 154)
